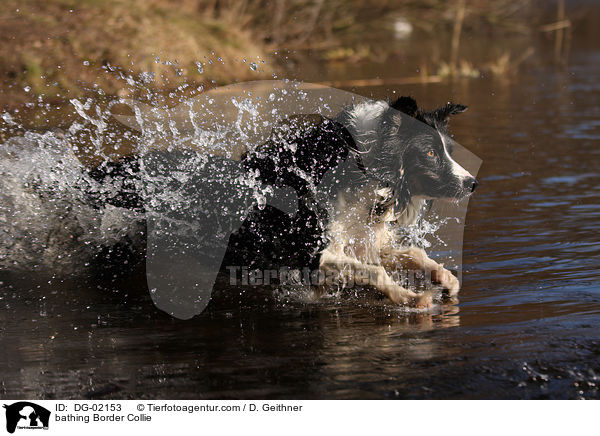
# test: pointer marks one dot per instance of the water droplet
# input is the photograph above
(27, 89)
(8, 119)
(253, 66)
(86, 63)
(147, 77)
(199, 67)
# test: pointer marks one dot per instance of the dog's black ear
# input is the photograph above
(408, 105)
(445, 112)
(454, 108)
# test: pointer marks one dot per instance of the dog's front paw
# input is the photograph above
(422, 301)
(446, 280)
(401, 296)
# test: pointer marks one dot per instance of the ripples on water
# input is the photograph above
(525, 325)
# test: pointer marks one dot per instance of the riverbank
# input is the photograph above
(60, 49)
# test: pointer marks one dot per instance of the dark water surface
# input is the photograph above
(526, 325)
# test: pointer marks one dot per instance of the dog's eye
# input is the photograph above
(431, 153)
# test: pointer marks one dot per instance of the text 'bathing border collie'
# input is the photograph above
(375, 169)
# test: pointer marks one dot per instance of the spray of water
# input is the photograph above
(60, 214)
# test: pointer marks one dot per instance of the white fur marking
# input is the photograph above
(457, 170)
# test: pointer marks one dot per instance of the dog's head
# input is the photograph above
(411, 153)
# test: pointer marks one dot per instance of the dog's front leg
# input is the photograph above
(348, 269)
(415, 259)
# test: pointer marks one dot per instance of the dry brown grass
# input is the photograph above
(60, 48)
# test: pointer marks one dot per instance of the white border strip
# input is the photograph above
(258, 417)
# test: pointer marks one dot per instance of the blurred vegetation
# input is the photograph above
(60, 48)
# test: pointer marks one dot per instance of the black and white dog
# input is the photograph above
(360, 178)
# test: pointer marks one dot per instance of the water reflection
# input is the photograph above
(111, 344)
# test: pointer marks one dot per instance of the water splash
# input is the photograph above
(48, 214)
(58, 213)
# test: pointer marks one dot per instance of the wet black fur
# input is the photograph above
(270, 238)
(321, 144)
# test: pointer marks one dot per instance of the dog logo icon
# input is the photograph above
(26, 415)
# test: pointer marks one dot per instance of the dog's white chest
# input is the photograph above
(355, 230)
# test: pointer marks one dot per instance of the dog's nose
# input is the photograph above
(470, 184)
